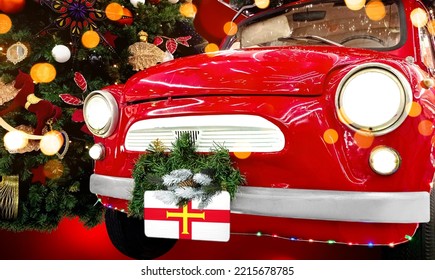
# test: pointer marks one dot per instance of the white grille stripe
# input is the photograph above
(237, 133)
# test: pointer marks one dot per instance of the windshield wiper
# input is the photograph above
(311, 37)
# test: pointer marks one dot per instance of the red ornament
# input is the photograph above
(12, 6)
(154, 2)
(38, 174)
(127, 17)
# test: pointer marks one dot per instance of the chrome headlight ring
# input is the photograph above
(373, 98)
(101, 113)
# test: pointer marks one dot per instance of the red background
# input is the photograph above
(71, 241)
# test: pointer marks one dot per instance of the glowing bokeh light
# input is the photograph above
(230, 28)
(5, 24)
(90, 39)
(330, 136)
(188, 10)
(363, 140)
(419, 17)
(425, 127)
(355, 5)
(114, 11)
(262, 4)
(415, 109)
(51, 142)
(15, 140)
(375, 10)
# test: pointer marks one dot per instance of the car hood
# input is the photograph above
(267, 71)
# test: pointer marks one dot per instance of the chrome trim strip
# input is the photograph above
(116, 187)
(374, 207)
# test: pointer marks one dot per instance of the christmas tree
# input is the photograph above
(70, 48)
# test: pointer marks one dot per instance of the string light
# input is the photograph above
(330, 241)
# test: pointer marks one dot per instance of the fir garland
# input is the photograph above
(184, 172)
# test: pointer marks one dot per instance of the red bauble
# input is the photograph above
(154, 2)
(12, 6)
(127, 17)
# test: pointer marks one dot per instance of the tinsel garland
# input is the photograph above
(184, 172)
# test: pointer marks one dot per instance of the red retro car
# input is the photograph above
(334, 104)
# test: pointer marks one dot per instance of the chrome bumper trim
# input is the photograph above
(349, 206)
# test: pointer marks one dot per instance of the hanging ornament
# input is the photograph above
(114, 11)
(12, 6)
(90, 39)
(9, 196)
(144, 54)
(17, 53)
(136, 2)
(154, 2)
(15, 140)
(31, 146)
(38, 174)
(127, 17)
(61, 53)
(5, 24)
(173, 1)
(53, 169)
(51, 142)
(43, 72)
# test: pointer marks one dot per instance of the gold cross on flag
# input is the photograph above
(185, 215)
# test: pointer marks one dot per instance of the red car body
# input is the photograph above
(318, 185)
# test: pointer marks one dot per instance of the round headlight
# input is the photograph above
(101, 113)
(373, 98)
(384, 160)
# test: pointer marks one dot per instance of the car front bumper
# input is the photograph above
(346, 206)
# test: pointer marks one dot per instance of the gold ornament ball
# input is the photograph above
(51, 142)
(53, 169)
(5, 24)
(90, 39)
(43, 72)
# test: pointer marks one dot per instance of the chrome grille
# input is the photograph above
(237, 133)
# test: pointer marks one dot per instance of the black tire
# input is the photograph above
(127, 235)
(422, 245)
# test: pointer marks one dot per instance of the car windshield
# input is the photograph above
(376, 26)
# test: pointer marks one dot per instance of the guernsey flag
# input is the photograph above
(188, 222)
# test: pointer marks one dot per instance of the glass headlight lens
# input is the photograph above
(373, 98)
(101, 113)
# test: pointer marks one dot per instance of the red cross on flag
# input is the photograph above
(164, 220)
